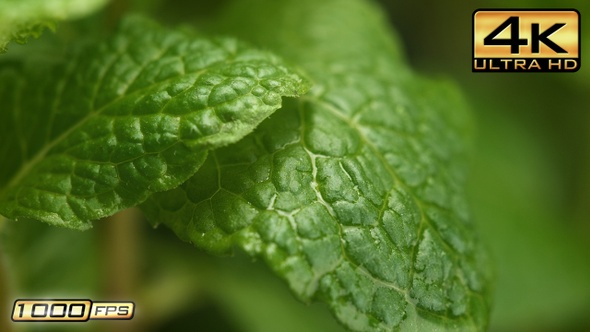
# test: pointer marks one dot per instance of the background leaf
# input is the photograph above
(21, 19)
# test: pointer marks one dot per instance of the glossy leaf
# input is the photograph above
(352, 194)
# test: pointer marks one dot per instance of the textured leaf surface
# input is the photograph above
(21, 19)
(124, 119)
(353, 194)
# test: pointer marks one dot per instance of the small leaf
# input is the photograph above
(354, 193)
(21, 19)
(116, 122)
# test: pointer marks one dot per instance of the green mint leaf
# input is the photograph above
(21, 19)
(354, 193)
(136, 115)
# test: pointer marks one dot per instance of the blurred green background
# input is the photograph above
(529, 188)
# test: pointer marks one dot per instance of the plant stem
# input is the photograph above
(120, 247)
(5, 324)
(4, 298)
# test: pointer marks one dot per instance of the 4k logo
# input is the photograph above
(511, 40)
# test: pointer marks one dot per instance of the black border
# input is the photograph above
(529, 10)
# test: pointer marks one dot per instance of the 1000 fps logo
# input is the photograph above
(526, 40)
(70, 310)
